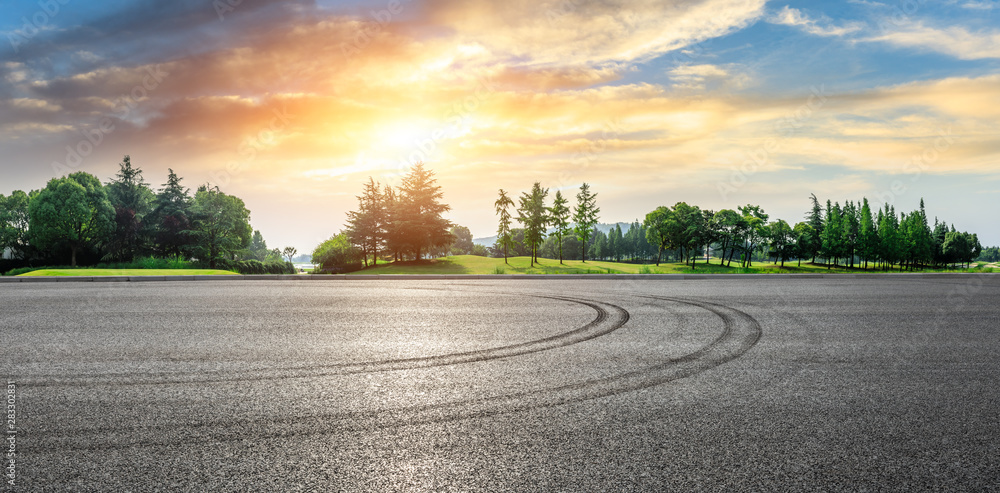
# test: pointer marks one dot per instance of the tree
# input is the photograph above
(755, 232)
(463, 240)
(781, 238)
(888, 233)
(599, 245)
(133, 201)
(289, 252)
(14, 224)
(366, 227)
(337, 254)
(171, 217)
(220, 225)
(804, 237)
(532, 214)
(616, 240)
(504, 238)
(815, 220)
(585, 216)
(71, 212)
(658, 224)
(559, 215)
(418, 215)
(687, 229)
(849, 232)
(832, 236)
(867, 234)
(258, 247)
(726, 223)
(394, 241)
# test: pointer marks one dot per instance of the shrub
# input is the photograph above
(20, 270)
(499, 270)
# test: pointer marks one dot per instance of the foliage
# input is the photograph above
(367, 226)
(463, 241)
(132, 201)
(14, 222)
(417, 217)
(220, 225)
(559, 216)
(505, 239)
(585, 217)
(532, 213)
(337, 254)
(71, 212)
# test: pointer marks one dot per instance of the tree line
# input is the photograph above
(78, 220)
(850, 235)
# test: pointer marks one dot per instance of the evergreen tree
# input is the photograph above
(366, 227)
(559, 214)
(585, 216)
(505, 240)
(171, 217)
(132, 200)
(815, 220)
(418, 218)
(532, 214)
(867, 234)
(832, 236)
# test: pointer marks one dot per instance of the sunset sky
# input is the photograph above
(292, 105)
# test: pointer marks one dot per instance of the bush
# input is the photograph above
(20, 270)
(499, 270)
(248, 267)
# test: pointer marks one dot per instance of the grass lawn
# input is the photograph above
(470, 264)
(129, 272)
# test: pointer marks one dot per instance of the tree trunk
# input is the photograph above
(73, 257)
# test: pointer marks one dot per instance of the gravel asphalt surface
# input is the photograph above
(747, 384)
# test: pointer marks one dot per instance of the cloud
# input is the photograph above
(788, 16)
(979, 5)
(707, 76)
(955, 40)
(590, 31)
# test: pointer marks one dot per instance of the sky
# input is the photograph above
(292, 105)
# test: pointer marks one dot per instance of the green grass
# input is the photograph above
(129, 272)
(471, 264)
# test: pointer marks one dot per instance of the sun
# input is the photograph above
(401, 135)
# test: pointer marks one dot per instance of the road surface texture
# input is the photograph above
(748, 384)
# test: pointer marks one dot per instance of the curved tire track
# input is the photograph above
(741, 332)
(609, 318)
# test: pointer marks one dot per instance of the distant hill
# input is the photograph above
(602, 227)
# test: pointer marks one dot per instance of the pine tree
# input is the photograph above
(504, 238)
(559, 214)
(171, 216)
(366, 226)
(815, 220)
(585, 216)
(532, 214)
(418, 218)
(867, 234)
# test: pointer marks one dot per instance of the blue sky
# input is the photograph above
(291, 105)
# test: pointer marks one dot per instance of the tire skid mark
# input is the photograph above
(741, 332)
(609, 318)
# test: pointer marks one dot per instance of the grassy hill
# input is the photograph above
(470, 264)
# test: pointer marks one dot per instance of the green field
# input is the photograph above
(470, 264)
(129, 272)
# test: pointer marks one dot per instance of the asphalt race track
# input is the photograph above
(755, 383)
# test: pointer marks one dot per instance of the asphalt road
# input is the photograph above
(506, 385)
